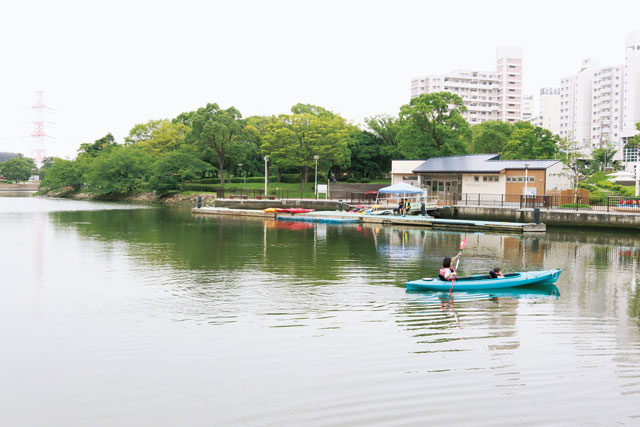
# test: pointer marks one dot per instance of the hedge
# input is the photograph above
(201, 187)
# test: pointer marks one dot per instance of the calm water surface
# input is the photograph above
(127, 315)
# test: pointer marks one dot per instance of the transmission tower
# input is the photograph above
(38, 135)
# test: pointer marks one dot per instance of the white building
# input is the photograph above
(549, 117)
(599, 107)
(575, 106)
(488, 95)
(527, 108)
(631, 98)
(402, 171)
(631, 114)
(606, 107)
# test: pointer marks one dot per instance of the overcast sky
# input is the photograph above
(105, 66)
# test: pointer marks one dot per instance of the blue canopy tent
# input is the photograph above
(402, 188)
(399, 191)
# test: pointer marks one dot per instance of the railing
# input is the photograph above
(574, 202)
(241, 193)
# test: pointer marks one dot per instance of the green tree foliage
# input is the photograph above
(292, 140)
(602, 157)
(119, 170)
(635, 141)
(92, 150)
(47, 162)
(170, 170)
(433, 126)
(369, 158)
(63, 173)
(529, 142)
(490, 136)
(157, 137)
(386, 129)
(17, 168)
(216, 129)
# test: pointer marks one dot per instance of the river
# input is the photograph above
(115, 314)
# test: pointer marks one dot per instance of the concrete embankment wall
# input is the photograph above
(559, 218)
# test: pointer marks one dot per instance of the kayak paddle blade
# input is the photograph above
(463, 243)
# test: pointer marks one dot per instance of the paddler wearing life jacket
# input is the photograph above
(447, 272)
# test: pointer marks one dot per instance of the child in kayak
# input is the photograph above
(496, 273)
(447, 272)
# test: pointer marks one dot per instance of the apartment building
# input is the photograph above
(576, 105)
(488, 95)
(549, 114)
(599, 106)
(606, 107)
(631, 97)
(527, 108)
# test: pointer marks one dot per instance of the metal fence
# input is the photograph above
(575, 202)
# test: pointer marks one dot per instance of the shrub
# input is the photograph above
(352, 180)
(573, 206)
(290, 178)
(364, 180)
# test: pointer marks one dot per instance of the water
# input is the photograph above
(128, 315)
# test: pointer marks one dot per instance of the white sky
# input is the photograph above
(105, 66)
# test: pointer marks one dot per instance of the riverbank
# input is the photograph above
(553, 218)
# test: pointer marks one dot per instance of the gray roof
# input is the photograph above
(6, 156)
(480, 163)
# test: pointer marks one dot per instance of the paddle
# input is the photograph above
(462, 245)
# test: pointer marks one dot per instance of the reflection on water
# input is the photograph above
(158, 317)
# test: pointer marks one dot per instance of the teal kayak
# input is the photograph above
(479, 282)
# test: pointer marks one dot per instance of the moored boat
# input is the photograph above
(293, 210)
(484, 282)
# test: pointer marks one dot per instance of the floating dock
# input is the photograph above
(411, 220)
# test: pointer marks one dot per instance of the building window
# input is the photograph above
(630, 154)
(476, 179)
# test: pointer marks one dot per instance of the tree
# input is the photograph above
(386, 129)
(602, 157)
(433, 126)
(103, 144)
(216, 129)
(47, 162)
(635, 141)
(157, 137)
(119, 170)
(490, 136)
(368, 155)
(63, 173)
(17, 168)
(529, 142)
(292, 140)
(173, 168)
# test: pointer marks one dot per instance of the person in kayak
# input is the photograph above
(447, 272)
(496, 273)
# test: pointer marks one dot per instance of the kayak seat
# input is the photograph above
(441, 277)
(492, 274)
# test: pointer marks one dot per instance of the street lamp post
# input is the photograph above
(266, 174)
(526, 182)
(244, 187)
(316, 157)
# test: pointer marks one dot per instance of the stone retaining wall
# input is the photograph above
(553, 217)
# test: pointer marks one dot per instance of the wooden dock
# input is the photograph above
(411, 220)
